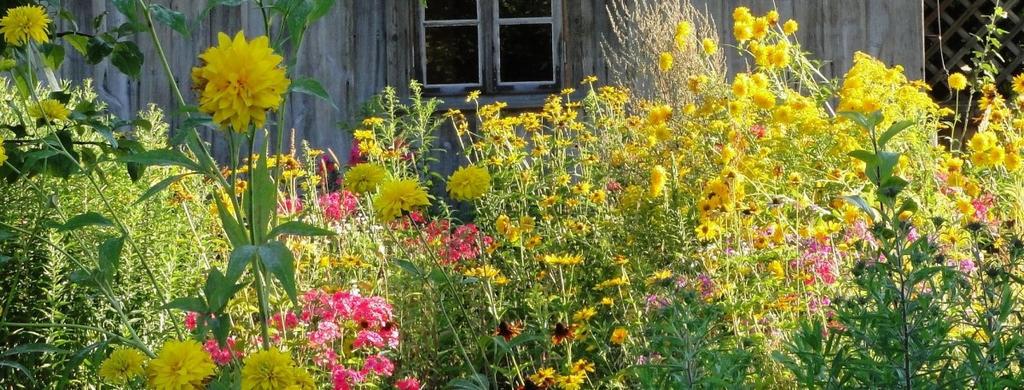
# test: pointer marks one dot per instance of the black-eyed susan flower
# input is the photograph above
(28, 23)
(239, 81)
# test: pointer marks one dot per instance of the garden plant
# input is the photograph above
(766, 228)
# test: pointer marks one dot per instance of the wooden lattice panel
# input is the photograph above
(949, 43)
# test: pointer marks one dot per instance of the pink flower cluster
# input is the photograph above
(464, 243)
(222, 356)
(822, 261)
(331, 318)
(338, 205)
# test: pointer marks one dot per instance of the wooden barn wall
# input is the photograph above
(364, 45)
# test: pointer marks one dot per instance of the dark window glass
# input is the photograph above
(452, 55)
(524, 8)
(526, 52)
(450, 9)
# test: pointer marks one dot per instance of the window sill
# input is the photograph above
(514, 101)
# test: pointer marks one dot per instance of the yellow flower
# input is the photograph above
(180, 365)
(363, 178)
(24, 24)
(267, 370)
(563, 259)
(658, 179)
(584, 314)
(709, 46)
(707, 231)
(683, 30)
(775, 268)
(122, 365)
(957, 81)
(48, 110)
(1018, 84)
(619, 336)
(473, 96)
(544, 377)
(469, 182)
(572, 381)
(790, 27)
(665, 61)
(239, 81)
(397, 196)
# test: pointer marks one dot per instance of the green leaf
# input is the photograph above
(409, 267)
(85, 219)
(78, 42)
(856, 117)
(240, 258)
(263, 192)
(278, 259)
(861, 204)
(310, 86)
(110, 256)
(127, 58)
(97, 50)
(219, 290)
(892, 131)
(18, 367)
(53, 55)
(33, 348)
(864, 155)
(195, 304)
(173, 19)
(891, 187)
(162, 157)
(236, 235)
(160, 186)
(297, 228)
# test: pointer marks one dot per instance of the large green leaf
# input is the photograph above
(127, 58)
(278, 259)
(85, 219)
(240, 258)
(312, 87)
(173, 19)
(297, 228)
(110, 256)
(161, 157)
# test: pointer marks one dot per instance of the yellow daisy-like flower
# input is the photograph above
(364, 177)
(1018, 84)
(397, 196)
(239, 81)
(619, 336)
(790, 27)
(665, 61)
(957, 81)
(180, 365)
(709, 46)
(26, 23)
(268, 370)
(122, 365)
(563, 259)
(49, 110)
(658, 179)
(469, 182)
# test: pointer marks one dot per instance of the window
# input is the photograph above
(496, 46)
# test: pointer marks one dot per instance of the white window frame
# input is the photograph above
(552, 20)
(478, 23)
(489, 51)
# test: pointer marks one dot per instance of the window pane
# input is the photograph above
(450, 9)
(452, 55)
(524, 8)
(526, 52)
